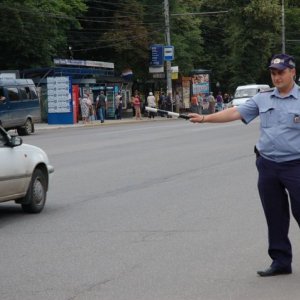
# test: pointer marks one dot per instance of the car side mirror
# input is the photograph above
(15, 141)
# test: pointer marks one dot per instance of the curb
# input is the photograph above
(45, 126)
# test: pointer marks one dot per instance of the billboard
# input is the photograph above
(59, 95)
(200, 84)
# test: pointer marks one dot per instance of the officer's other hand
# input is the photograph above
(195, 118)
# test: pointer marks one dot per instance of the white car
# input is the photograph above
(245, 92)
(24, 173)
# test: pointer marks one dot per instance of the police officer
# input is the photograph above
(278, 155)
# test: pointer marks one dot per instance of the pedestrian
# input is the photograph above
(92, 116)
(226, 100)
(200, 103)
(169, 103)
(211, 103)
(277, 155)
(178, 102)
(151, 103)
(137, 106)
(85, 108)
(219, 101)
(118, 104)
(162, 103)
(101, 104)
(194, 104)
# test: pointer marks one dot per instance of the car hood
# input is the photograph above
(239, 101)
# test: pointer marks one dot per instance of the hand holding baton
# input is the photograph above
(167, 113)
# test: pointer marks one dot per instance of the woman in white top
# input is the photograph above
(151, 103)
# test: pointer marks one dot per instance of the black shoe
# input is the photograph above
(273, 271)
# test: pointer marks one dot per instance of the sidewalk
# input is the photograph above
(45, 126)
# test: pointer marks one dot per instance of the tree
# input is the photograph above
(186, 35)
(292, 13)
(246, 37)
(33, 32)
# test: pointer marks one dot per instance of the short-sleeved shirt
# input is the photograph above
(280, 123)
(101, 99)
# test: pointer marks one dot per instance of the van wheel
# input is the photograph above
(27, 129)
(36, 194)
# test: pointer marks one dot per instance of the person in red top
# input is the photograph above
(194, 104)
(137, 105)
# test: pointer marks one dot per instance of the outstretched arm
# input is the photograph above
(227, 115)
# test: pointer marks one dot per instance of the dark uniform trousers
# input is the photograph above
(277, 182)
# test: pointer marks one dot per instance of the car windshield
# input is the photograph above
(245, 93)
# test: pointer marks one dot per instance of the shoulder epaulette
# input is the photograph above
(267, 90)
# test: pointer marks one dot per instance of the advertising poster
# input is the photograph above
(200, 84)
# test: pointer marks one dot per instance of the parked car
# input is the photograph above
(245, 92)
(19, 105)
(24, 173)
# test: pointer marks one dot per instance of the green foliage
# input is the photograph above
(246, 37)
(186, 35)
(236, 45)
(32, 32)
(130, 46)
(292, 31)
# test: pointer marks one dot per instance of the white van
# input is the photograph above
(245, 92)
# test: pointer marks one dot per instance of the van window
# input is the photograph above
(33, 92)
(24, 94)
(13, 94)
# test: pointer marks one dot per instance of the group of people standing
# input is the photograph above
(164, 102)
(97, 110)
(91, 111)
(200, 102)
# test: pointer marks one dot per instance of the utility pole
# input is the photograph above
(282, 26)
(168, 41)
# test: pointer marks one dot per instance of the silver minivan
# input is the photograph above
(245, 92)
(19, 105)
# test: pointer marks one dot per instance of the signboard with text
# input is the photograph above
(59, 95)
(156, 55)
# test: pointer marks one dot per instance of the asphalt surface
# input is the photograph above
(163, 209)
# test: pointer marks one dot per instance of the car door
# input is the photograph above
(4, 107)
(13, 171)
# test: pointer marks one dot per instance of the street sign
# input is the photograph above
(159, 69)
(169, 53)
(156, 55)
(159, 75)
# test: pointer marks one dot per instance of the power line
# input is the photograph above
(117, 4)
(66, 17)
(208, 13)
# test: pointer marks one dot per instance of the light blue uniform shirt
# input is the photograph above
(280, 123)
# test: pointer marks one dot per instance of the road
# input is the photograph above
(166, 210)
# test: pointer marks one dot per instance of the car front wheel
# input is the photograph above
(35, 198)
